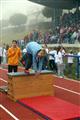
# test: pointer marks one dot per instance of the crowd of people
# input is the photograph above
(61, 34)
(30, 52)
(37, 58)
(67, 31)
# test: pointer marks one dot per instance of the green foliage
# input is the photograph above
(54, 14)
(51, 12)
(47, 12)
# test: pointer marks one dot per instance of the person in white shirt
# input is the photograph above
(78, 64)
(79, 55)
(52, 60)
(60, 64)
(4, 54)
(70, 62)
(0, 54)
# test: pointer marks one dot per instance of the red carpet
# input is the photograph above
(52, 107)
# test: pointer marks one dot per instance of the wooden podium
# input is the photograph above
(21, 85)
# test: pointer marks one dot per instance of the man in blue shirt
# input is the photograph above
(34, 56)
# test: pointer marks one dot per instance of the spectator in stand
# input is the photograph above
(40, 37)
(79, 34)
(26, 39)
(74, 36)
(30, 36)
(14, 55)
(35, 35)
(62, 32)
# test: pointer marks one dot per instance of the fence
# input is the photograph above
(77, 64)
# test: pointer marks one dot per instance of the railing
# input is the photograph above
(77, 64)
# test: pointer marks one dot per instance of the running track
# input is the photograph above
(65, 89)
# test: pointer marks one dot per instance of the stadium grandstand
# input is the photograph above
(63, 4)
(63, 29)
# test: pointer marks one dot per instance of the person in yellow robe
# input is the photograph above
(13, 55)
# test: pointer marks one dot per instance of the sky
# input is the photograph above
(10, 7)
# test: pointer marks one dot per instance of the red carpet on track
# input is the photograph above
(52, 107)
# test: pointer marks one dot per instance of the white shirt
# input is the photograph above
(54, 53)
(24, 50)
(79, 55)
(0, 51)
(51, 56)
(60, 58)
(4, 52)
(70, 59)
(47, 50)
(63, 52)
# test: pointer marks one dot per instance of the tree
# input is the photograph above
(47, 12)
(52, 13)
(18, 19)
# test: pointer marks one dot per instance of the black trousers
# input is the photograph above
(52, 65)
(27, 60)
(12, 68)
(0, 59)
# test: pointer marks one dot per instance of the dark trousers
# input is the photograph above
(0, 59)
(27, 60)
(45, 63)
(12, 68)
(52, 65)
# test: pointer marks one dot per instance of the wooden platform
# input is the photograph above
(21, 85)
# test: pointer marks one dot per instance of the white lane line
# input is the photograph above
(6, 110)
(3, 69)
(67, 89)
(3, 80)
(68, 79)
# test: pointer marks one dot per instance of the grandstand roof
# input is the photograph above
(64, 4)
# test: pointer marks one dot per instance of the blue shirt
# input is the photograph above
(33, 48)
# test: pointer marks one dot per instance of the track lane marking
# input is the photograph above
(7, 111)
(3, 80)
(67, 89)
(3, 69)
(54, 86)
(68, 79)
